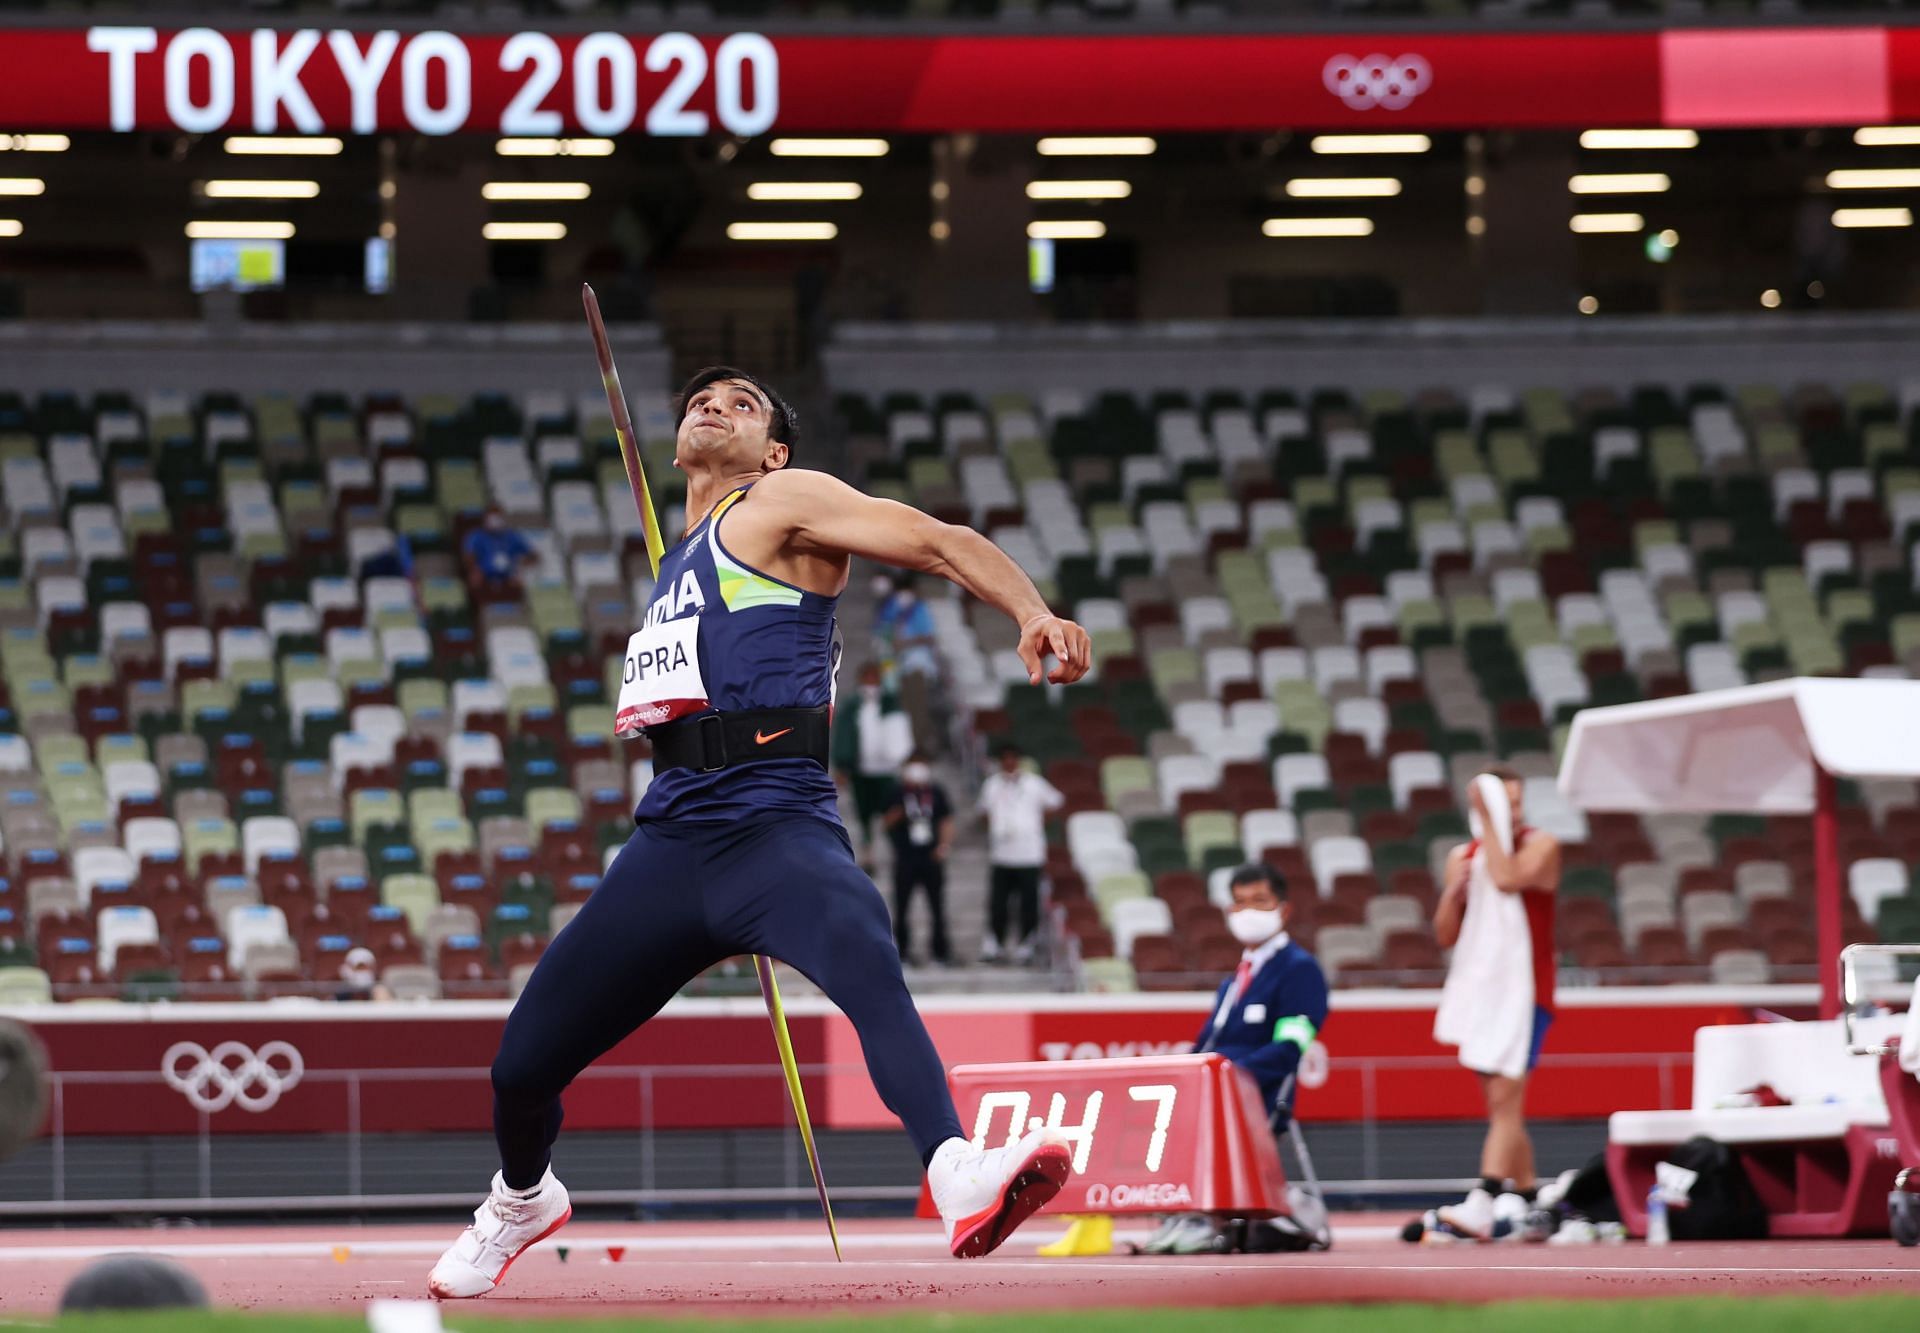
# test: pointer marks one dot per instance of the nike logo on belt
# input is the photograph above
(761, 737)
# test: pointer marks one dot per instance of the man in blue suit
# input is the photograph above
(1264, 1017)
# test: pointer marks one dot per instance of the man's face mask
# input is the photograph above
(917, 775)
(1254, 926)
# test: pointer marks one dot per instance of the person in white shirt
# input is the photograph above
(871, 739)
(1015, 803)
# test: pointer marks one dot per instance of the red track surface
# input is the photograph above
(786, 1268)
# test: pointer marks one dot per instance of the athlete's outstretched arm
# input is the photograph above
(825, 515)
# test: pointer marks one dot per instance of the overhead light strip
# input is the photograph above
(781, 231)
(1302, 228)
(1078, 189)
(260, 189)
(1107, 145)
(1625, 182)
(207, 229)
(554, 147)
(284, 145)
(1625, 139)
(803, 192)
(1872, 217)
(1334, 144)
(1600, 224)
(828, 147)
(1336, 187)
(535, 191)
(524, 231)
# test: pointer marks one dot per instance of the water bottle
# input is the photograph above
(1657, 1233)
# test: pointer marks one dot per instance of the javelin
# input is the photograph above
(650, 527)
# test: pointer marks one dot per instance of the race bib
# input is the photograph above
(661, 678)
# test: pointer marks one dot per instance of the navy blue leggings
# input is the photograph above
(679, 898)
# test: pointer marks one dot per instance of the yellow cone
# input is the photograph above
(1090, 1233)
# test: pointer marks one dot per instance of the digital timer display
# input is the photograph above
(1153, 1134)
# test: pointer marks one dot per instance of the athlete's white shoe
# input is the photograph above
(503, 1229)
(1472, 1216)
(983, 1195)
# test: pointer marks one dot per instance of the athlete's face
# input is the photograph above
(1517, 798)
(727, 424)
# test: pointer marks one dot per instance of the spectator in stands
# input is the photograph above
(1264, 1018)
(495, 553)
(1015, 804)
(357, 978)
(396, 562)
(920, 822)
(871, 739)
(905, 630)
(1496, 914)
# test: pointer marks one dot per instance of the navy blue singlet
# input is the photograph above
(762, 644)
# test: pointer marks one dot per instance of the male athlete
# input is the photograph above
(738, 847)
(1496, 914)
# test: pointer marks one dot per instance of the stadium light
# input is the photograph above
(535, 191)
(1066, 229)
(1369, 143)
(803, 192)
(524, 231)
(22, 185)
(259, 189)
(284, 145)
(1595, 224)
(1625, 182)
(781, 231)
(1873, 217)
(10, 227)
(1639, 139)
(207, 230)
(34, 143)
(1078, 189)
(554, 147)
(1887, 136)
(1110, 145)
(829, 147)
(1338, 187)
(1874, 178)
(1289, 228)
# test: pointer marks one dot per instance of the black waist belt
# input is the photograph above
(721, 740)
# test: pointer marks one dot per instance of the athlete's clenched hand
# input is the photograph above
(1049, 635)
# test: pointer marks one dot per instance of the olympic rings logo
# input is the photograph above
(232, 1073)
(1366, 82)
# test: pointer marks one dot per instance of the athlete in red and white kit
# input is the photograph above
(1524, 963)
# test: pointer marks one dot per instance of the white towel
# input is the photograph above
(1910, 1035)
(1486, 1008)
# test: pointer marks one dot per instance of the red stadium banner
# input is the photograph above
(710, 1063)
(364, 81)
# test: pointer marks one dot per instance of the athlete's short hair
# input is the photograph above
(1259, 872)
(785, 428)
(1502, 772)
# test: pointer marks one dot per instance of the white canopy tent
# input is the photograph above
(1773, 749)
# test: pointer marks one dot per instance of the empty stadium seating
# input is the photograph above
(225, 759)
(1315, 615)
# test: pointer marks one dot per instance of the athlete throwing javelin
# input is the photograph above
(738, 846)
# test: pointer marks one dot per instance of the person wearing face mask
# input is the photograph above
(871, 739)
(1264, 1017)
(905, 630)
(1015, 804)
(357, 980)
(920, 822)
(495, 552)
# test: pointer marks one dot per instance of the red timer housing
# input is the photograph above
(1159, 1134)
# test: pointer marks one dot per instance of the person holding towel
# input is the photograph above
(1496, 914)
